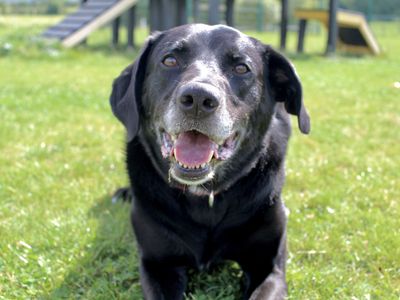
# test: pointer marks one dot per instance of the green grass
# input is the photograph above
(62, 157)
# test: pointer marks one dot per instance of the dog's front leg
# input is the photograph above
(162, 282)
(261, 283)
(272, 288)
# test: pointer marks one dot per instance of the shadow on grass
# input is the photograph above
(108, 267)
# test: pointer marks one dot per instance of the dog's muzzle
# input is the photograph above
(193, 155)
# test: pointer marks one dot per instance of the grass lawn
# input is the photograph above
(62, 157)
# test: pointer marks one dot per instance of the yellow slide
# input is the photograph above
(354, 34)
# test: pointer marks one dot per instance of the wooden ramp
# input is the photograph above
(93, 14)
(354, 34)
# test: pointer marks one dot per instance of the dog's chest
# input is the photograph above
(215, 232)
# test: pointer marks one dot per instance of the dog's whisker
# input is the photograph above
(204, 187)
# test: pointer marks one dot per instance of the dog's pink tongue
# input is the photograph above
(193, 148)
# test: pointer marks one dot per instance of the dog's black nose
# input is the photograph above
(198, 100)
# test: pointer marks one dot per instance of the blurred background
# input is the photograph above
(62, 156)
(249, 14)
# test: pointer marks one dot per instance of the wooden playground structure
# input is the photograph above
(348, 31)
(354, 34)
(163, 14)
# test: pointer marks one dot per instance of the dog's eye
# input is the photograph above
(170, 61)
(241, 69)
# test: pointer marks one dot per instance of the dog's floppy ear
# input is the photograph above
(285, 86)
(127, 90)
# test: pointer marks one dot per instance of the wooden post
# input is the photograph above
(229, 13)
(131, 27)
(332, 27)
(302, 32)
(284, 23)
(115, 31)
(213, 12)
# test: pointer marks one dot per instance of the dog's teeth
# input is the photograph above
(201, 166)
(210, 156)
(175, 152)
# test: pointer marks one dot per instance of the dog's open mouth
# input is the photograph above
(193, 155)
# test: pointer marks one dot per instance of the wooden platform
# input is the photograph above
(354, 34)
(93, 14)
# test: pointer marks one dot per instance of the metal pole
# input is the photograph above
(302, 32)
(168, 14)
(181, 13)
(370, 10)
(332, 28)
(131, 27)
(284, 23)
(189, 11)
(196, 10)
(259, 15)
(84, 42)
(154, 15)
(213, 12)
(229, 12)
(115, 31)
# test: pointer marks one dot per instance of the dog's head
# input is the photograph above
(201, 98)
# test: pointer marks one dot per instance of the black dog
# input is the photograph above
(206, 113)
